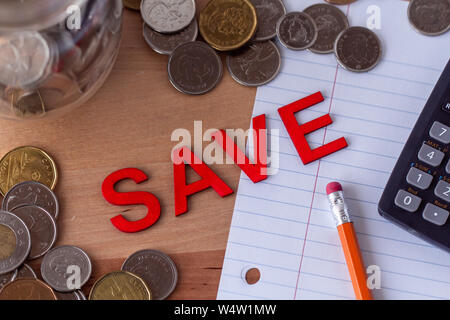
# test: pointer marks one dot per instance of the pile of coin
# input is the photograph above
(145, 275)
(244, 29)
(28, 230)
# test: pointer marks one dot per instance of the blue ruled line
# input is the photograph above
(370, 72)
(344, 100)
(338, 115)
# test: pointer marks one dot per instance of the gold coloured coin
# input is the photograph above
(228, 24)
(132, 4)
(120, 285)
(27, 164)
(340, 2)
(27, 289)
(7, 242)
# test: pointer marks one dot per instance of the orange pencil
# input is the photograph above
(349, 241)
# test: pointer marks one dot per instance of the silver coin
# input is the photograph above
(26, 272)
(24, 58)
(297, 31)
(7, 278)
(74, 295)
(168, 16)
(430, 17)
(330, 23)
(42, 228)
(268, 12)
(256, 64)
(156, 268)
(195, 68)
(166, 43)
(60, 263)
(31, 193)
(358, 49)
(13, 233)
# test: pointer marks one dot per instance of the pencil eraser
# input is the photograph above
(333, 187)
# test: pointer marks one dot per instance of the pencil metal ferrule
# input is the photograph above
(339, 209)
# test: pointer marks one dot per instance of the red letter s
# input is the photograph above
(131, 198)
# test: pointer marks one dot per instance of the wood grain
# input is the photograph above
(129, 123)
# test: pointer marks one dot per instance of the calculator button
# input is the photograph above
(430, 155)
(442, 190)
(440, 132)
(419, 178)
(447, 168)
(407, 201)
(435, 215)
(446, 107)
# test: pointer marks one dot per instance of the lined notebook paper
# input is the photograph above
(282, 225)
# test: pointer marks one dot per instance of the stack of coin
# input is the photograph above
(28, 230)
(145, 275)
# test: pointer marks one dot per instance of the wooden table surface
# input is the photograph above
(129, 123)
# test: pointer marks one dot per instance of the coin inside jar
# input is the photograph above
(168, 16)
(27, 289)
(256, 64)
(27, 164)
(31, 193)
(59, 263)
(430, 17)
(297, 31)
(268, 12)
(156, 269)
(228, 24)
(358, 49)
(15, 242)
(42, 228)
(166, 43)
(120, 285)
(195, 68)
(21, 70)
(330, 22)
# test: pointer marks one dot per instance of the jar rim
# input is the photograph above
(34, 14)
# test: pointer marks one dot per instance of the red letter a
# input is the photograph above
(209, 179)
(297, 132)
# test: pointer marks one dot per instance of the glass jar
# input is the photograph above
(55, 54)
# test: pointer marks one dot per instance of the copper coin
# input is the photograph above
(358, 49)
(297, 31)
(157, 270)
(27, 289)
(256, 64)
(430, 17)
(42, 228)
(268, 12)
(165, 43)
(195, 68)
(330, 21)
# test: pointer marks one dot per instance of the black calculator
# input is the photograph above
(417, 195)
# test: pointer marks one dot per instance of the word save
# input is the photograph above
(183, 156)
